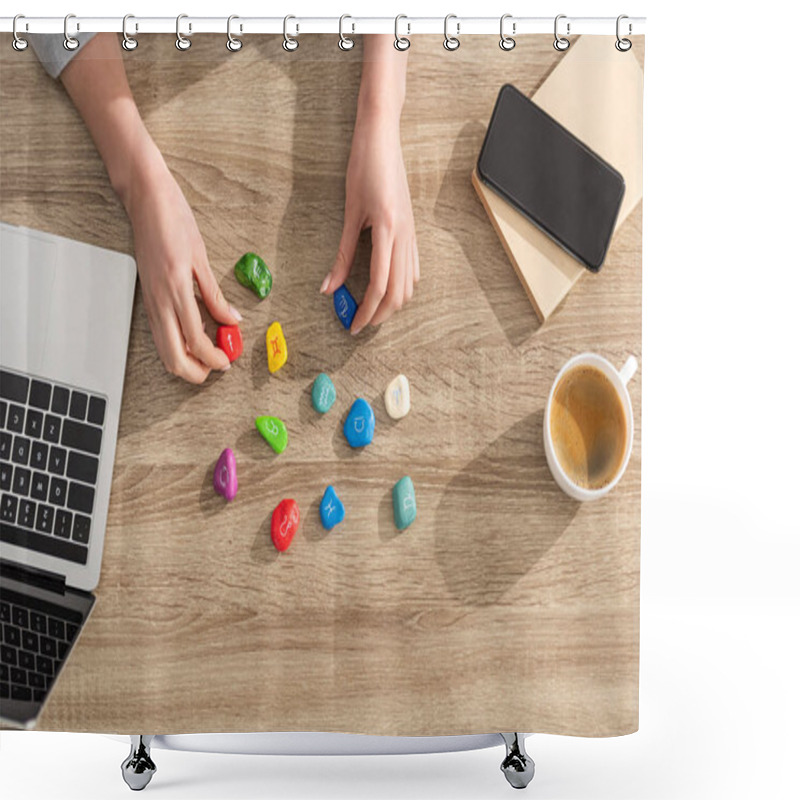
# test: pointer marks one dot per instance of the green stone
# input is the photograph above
(274, 431)
(252, 272)
(323, 393)
(405, 503)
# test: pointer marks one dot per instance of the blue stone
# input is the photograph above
(359, 427)
(345, 305)
(323, 393)
(331, 509)
(405, 503)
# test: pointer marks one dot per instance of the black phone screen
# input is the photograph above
(554, 179)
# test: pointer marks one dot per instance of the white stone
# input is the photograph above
(398, 397)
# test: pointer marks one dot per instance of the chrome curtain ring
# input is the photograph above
(559, 42)
(233, 44)
(345, 43)
(181, 42)
(128, 42)
(623, 45)
(18, 43)
(400, 42)
(70, 42)
(506, 42)
(451, 43)
(290, 44)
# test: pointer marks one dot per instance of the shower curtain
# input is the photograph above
(477, 596)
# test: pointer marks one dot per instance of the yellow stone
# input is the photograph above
(276, 347)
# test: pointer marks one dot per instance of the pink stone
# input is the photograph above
(225, 480)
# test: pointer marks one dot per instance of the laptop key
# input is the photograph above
(40, 483)
(60, 402)
(19, 676)
(5, 446)
(8, 655)
(47, 646)
(80, 498)
(3, 412)
(13, 387)
(6, 471)
(44, 665)
(38, 455)
(82, 467)
(55, 627)
(19, 616)
(22, 693)
(58, 460)
(97, 410)
(63, 526)
(52, 428)
(79, 436)
(27, 514)
(77, 405)
(80, 529)
(41, 542)
(22, 481)
(22, 447)
(38, 622)
(5, 612)
(39, 396)
(72, 631)
(30, 642)
(58, 491)
(16, 419)
(11, 635)
(44, 519)
(62, 649)
(8, 508)
(36, 680)
(34, 421)
(26, 660)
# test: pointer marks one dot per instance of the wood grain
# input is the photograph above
(506, 606)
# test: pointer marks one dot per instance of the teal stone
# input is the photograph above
(405, 503)
(323, 393)
(252, 272)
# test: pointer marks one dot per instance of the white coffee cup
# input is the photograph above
(619, 380)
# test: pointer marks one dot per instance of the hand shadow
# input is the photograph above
(459, 210)
(499, 516)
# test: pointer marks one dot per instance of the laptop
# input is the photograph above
(65, 314)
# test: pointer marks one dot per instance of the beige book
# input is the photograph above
(596, 93)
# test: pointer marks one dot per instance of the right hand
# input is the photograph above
(171, 258)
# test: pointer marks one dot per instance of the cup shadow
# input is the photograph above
(479, 545)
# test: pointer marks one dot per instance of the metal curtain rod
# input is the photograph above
(297, 26)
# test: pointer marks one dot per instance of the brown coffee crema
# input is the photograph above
(588, 427)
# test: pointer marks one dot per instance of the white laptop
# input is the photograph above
(65, 313)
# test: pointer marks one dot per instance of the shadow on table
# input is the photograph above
(478, 241)
(499, 516)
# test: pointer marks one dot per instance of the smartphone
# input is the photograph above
(551, 177)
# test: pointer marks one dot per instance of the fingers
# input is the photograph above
(197, 342)
(378, 279)
(344, 258)
(210, 290)
(171, 347)
(400, 272)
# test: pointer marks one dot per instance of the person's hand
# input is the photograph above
(171, 257)
(378, 198)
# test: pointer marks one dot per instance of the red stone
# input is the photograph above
(285, 522)
(229, 340)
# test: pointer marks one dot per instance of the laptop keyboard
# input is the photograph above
(35, 637)
(50, 438)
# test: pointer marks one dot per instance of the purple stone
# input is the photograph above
(225, 480)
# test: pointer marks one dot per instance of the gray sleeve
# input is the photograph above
(49, 48)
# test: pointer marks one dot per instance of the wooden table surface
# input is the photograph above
(506, 606)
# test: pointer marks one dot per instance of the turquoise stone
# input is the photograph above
(323, 393)
(331, 509)
(405, 503)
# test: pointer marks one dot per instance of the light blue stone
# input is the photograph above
(331, 509)
(345, 305)
(359, 427)
(323, 393)
(405, 503)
